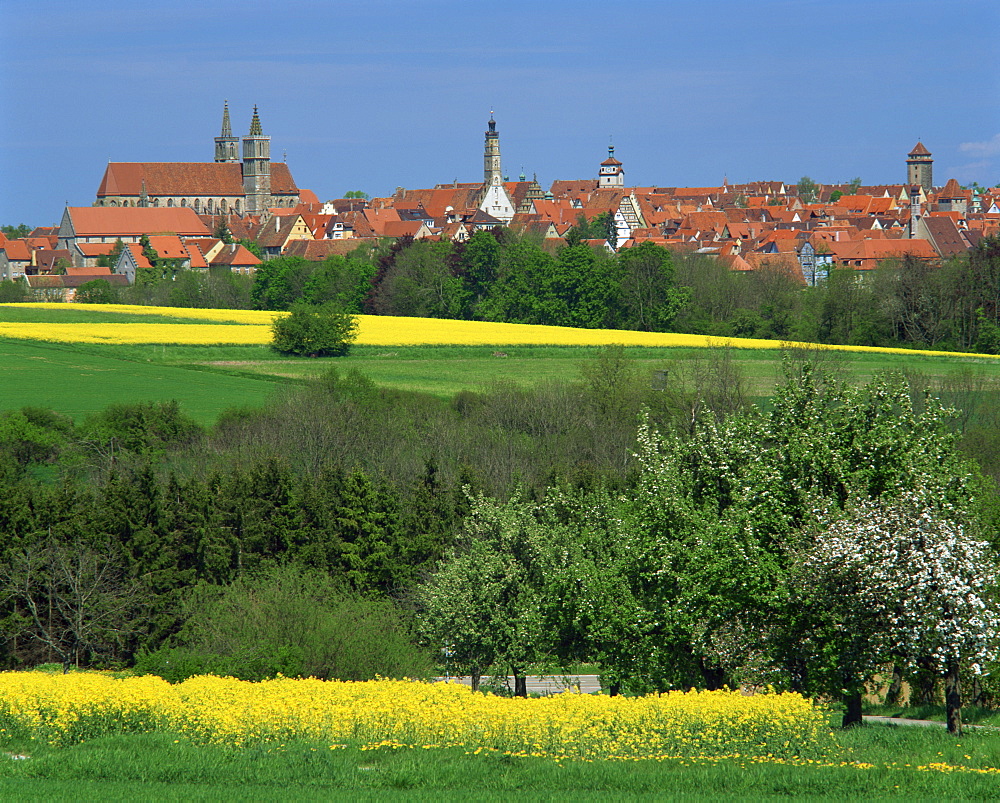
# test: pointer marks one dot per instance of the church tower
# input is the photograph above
(227, 147)
(919, 167)
(611, 173)
(257, 168)
(491, 156)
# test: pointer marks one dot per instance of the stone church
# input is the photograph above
(227, 185)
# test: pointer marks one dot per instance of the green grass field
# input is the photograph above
(77, 379)
(883, 764)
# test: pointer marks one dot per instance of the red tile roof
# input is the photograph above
(111, 221)
(919, 150)
(186, 178)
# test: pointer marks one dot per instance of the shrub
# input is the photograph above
(290, 621)
(323, 330)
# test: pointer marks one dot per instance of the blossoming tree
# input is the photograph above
(905, 580)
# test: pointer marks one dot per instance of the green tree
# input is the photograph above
(280, 282)
(323, 330)
(12, 292)
(16, 232)
(96, 291)
(807, 189)
(364, 196)
(648, 300)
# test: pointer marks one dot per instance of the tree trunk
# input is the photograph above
(475, 677)
(953, 697)
(852, 711)
(520, 684)
(895, 686)
(615, 688)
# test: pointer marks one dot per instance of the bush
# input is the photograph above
(291, 621)
(323, 330)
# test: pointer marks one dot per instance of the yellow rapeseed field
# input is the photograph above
(254, 328)
(64, 709)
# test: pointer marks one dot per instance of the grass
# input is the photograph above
(77, 381)
(78, 378)
(883, 763)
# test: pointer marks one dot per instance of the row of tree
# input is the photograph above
(807, 548)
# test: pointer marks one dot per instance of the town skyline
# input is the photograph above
(392, 94)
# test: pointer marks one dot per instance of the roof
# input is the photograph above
(919, 150)
(186, 178)
(945, 236)
(111, 221)
(235, 254)
(16, 249)
(952, 190)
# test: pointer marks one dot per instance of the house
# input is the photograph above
(15, 258)
(93, 225)
(275, 235)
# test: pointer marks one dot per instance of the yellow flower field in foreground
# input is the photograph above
(373, 330)
(64, 709)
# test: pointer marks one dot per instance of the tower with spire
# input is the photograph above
(491, 155)
(611, 173)
(257, 168)
(919, 167)
(227, 147)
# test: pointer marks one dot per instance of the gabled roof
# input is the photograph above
(945, 236)
(112, 221)
(186, 178)
(16, 250)
(235, 255)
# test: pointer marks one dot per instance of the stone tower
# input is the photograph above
(491, 156)
(919, 167)
(227, 147)
(611, 173)
(257, 168)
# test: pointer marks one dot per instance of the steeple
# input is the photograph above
(611, 173)
(257, 168)
(491, 155)
(227, 147)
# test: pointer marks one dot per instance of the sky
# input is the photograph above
(382, 94)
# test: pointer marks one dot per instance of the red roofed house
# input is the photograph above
(15, 257)
(252, 185)
(84, 226)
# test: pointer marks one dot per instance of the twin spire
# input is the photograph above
(227, 147)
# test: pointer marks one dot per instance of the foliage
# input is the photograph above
(97, 291)
(323, 330)
(288, 621)
(16, 232)
(12, 292)
(109, 260)
(357, 194)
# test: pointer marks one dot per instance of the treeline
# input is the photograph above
(501, 276)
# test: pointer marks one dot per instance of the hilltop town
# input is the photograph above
(236, 211)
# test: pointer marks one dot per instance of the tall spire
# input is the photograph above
(255, 129)
(227, 147)
(227, 129)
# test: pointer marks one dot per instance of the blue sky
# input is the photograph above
(385, 93)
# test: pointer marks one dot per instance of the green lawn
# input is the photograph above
(77, 379)
(883, 760)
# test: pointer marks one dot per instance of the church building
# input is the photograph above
(227, 185)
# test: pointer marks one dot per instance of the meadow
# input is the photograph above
(76, 359)
(88, 736)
